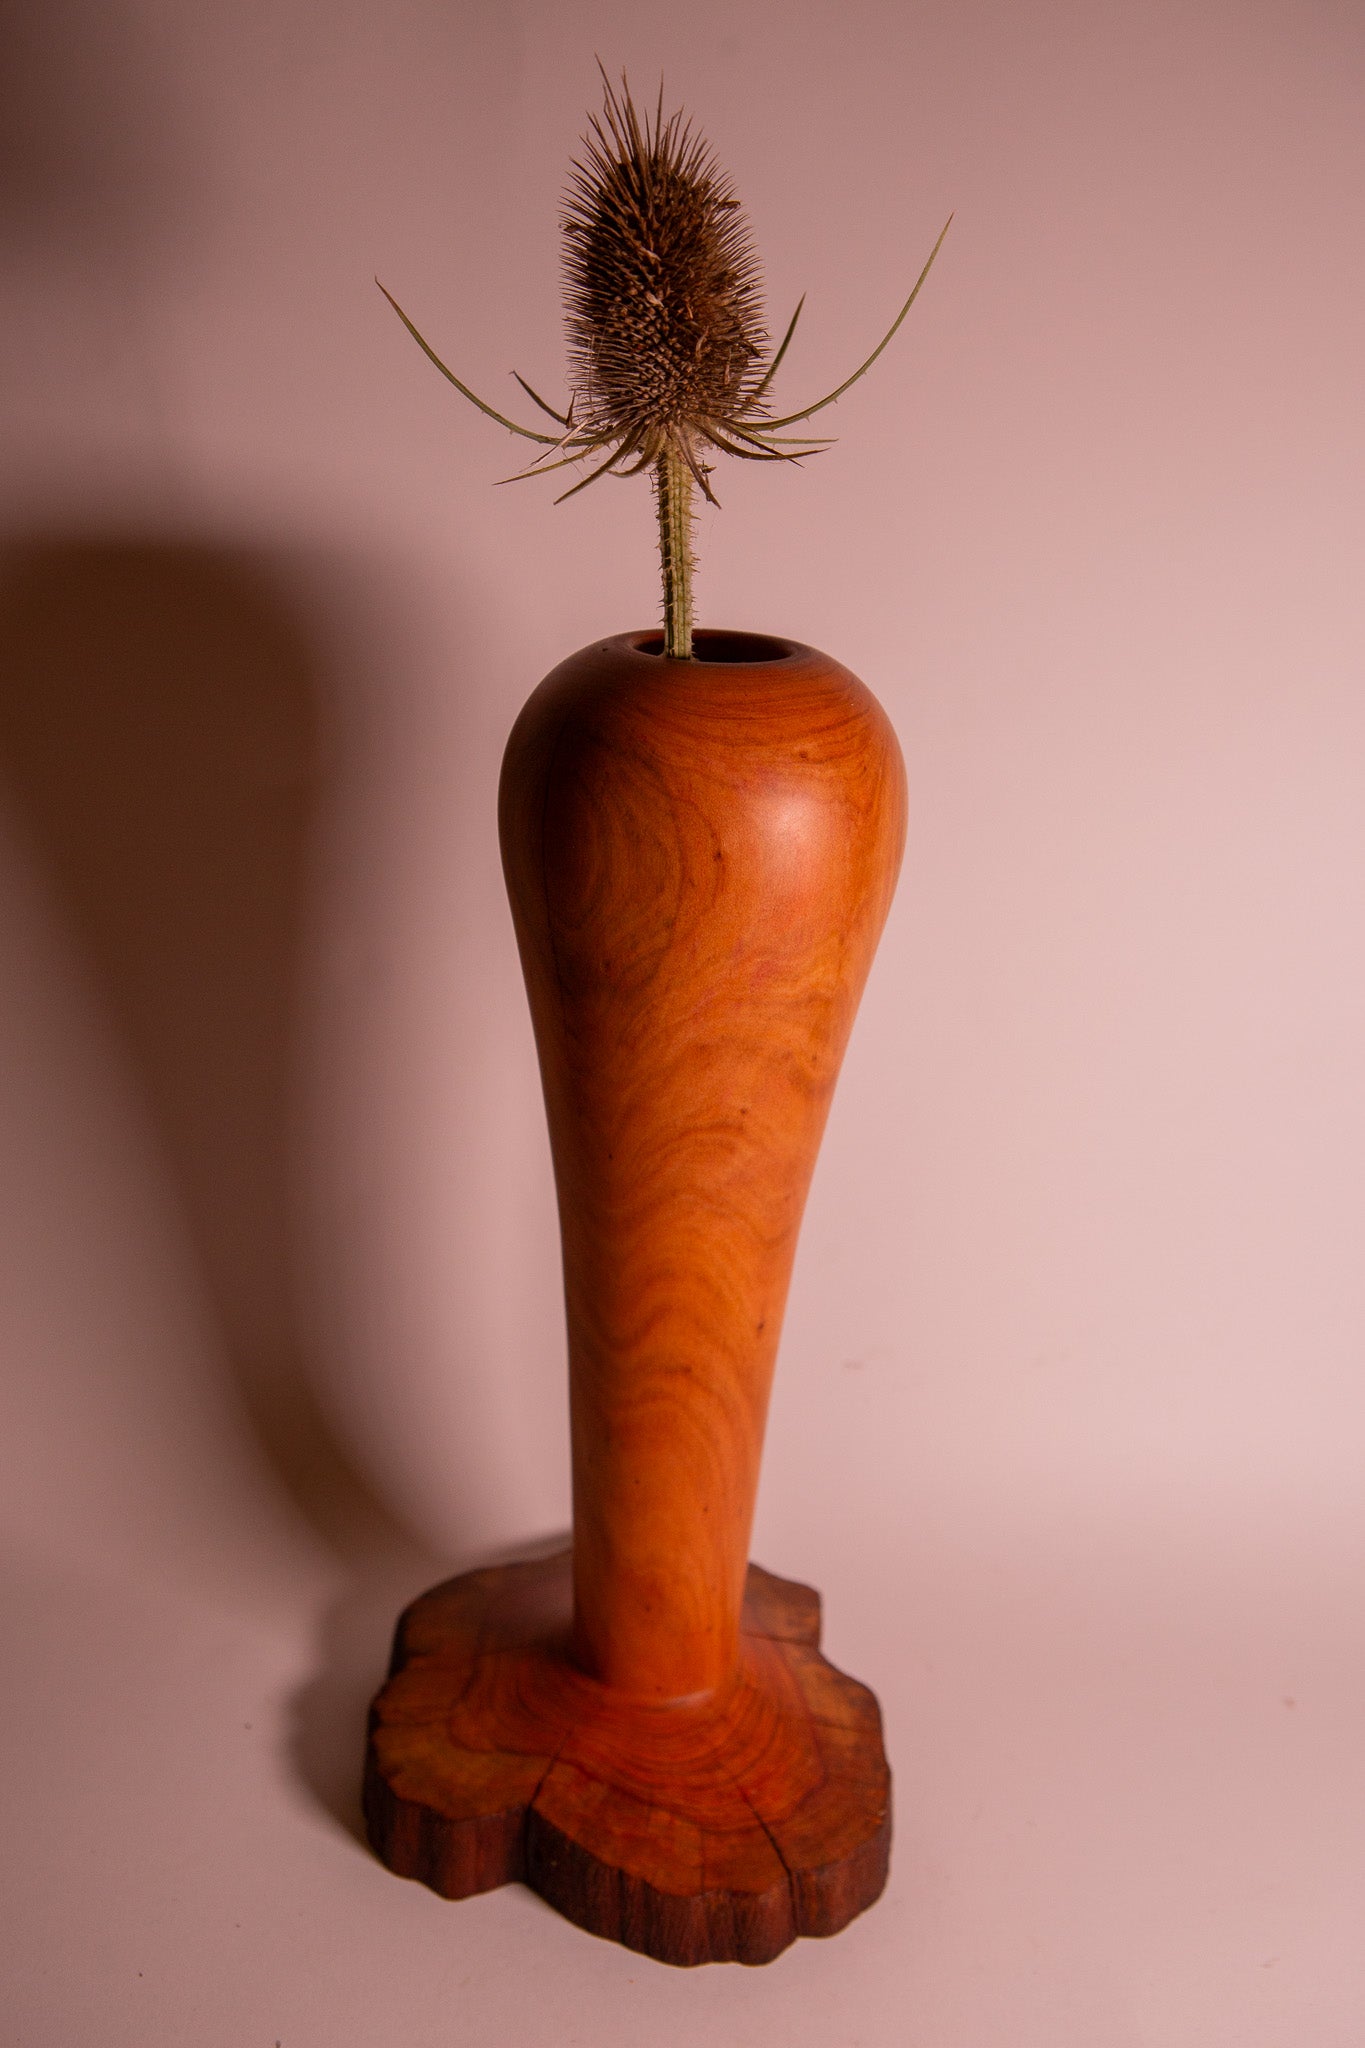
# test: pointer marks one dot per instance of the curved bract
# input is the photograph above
(666, 336)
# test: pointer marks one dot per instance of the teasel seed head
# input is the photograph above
(662, 288)
(666, 336)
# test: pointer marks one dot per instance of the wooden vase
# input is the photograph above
(700, 857)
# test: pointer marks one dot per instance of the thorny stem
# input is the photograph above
(673, 488)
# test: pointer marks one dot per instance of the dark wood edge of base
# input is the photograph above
(459, 1858)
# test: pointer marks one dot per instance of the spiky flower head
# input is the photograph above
(666, 335)
(662, 289)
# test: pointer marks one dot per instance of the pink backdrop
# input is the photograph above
(1069, 1416)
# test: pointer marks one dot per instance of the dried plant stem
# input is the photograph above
(667, 341)
(673, 488)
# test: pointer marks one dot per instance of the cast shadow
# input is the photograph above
(100, 163)
(165, 728)
(161, 728)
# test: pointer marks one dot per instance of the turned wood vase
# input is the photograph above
(700, 857)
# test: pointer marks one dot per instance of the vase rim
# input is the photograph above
(717, 646)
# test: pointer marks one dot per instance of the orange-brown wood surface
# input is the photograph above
(700, 857)
(716, 1829)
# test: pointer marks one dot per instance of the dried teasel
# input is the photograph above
(666, 332)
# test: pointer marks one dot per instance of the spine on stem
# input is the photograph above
(673, 488)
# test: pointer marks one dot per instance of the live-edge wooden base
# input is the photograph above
(714, 1830)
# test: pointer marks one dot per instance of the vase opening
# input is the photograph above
(711, 646)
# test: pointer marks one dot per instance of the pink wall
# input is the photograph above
(1069, 1415)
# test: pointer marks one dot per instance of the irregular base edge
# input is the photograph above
(460, 1858)
(705, 1927)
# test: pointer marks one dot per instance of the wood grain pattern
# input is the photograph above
(716, 1829)
(700, 857)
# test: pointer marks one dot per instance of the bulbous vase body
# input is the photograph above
(700, 857)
